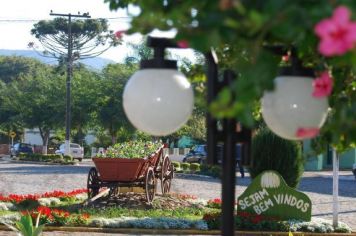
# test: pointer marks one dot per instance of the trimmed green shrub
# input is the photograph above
(185, 166)
(194, 167)
(270, 152)
(22, 155)
(67, 158)
(54, 158)
(210, 170)
(176, 165)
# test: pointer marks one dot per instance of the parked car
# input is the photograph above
(76, 151)
(197, 154)
(21, 147)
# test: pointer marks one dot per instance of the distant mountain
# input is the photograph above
(96, 63)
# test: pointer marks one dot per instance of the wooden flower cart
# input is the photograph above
(113, 173)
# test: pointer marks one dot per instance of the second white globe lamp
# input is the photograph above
(158, 99)
(291, 106)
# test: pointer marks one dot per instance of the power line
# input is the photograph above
(121, 18)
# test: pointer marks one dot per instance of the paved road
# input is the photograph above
(32, 178)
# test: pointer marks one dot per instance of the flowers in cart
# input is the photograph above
(131, 149)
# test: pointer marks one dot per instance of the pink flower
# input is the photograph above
(183, 44)
(322, 85)
(307, 132)
(337, 34)
(118, 34)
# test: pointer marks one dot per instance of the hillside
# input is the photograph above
(96, 63)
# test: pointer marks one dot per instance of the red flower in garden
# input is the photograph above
(85, 216)
(59, 194)
(119, 34)
(60, 213)
(337, 34)
(322, 85)
(307, 132)
(243, 214)
(215, 203)
(257, 219)
(216, 200)
(183, 44)
(44, 211)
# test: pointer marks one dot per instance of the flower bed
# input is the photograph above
(149, 223)
(254, 222)
(171, 211)
(16, 198)
(58, 217)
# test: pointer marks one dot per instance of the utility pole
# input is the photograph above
(69, 73)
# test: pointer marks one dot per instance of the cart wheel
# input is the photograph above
(114, 191)
(93, 183)
(150, 185)
(166, 175)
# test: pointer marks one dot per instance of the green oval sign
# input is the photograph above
(269, 195)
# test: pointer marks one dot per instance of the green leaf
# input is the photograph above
(225, 97)
(38, 230)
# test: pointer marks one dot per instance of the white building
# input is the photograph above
(32, 136)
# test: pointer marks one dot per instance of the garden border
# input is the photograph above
(177, 232)
(43, 163)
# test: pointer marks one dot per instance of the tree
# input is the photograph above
(285, 156)
(85, 100)
(8, 116)
(15, 67)
(33, 102)
(69, 41)
(41, 107)
(242, 31)
(139, 52)
(196, 125)
(110, 113)
(17, 75)
(90, 37)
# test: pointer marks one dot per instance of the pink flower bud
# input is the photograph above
(307, 132)
(183, 44)
(322, 85)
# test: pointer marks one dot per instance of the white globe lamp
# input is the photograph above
(158, 99)
(291, 105)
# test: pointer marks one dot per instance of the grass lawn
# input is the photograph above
(3, 212)
(191, 213)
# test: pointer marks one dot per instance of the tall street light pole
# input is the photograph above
(69, 73)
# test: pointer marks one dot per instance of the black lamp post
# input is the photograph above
(229, 136)
(139, 111)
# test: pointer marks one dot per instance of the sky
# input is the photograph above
(18, 17)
